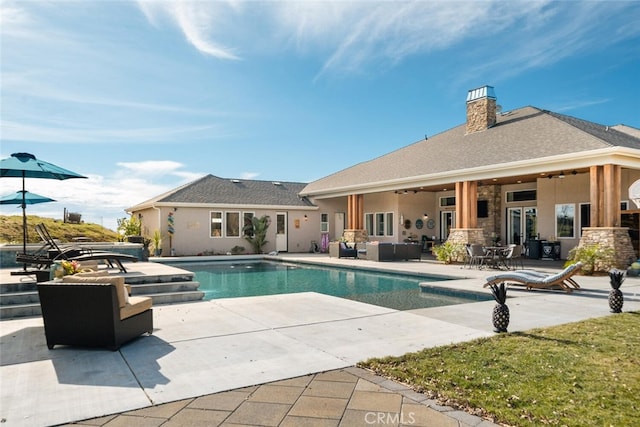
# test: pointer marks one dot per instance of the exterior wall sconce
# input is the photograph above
(426, 216)
(561, 176)
(306, 218)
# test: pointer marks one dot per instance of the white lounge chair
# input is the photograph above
(535, 279)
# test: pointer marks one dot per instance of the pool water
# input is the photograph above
(396, 291)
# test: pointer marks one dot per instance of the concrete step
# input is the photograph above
(18, 298)
(20, 310)
(176, 297)
(21, 300)
(164, 287)
(17, 287)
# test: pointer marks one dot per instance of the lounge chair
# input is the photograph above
(535, 279)
(51, 252)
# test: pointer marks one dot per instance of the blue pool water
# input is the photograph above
(399, 292)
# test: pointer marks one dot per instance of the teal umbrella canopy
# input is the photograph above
(24, 197)
(26, 165)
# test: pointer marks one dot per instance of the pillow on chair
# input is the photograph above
(118, 282)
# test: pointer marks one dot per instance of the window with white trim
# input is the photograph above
(379, 224)
(324, 223)
(232, 226)
(368, 223)
(216, 223)
(389, 223)
(247, 224)
(447, 201)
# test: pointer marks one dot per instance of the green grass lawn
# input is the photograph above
(579, 374)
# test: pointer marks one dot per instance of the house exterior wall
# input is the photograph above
(192, 232)
(573, 190)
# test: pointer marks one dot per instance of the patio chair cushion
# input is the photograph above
(134, 306)
(118, 282)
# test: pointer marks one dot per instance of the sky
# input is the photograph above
(144, 96)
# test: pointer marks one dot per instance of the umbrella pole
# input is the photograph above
(24, 223)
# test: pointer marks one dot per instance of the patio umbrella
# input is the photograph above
(24, 198)
(25, 165)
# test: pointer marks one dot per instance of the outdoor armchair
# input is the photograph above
(94, 311)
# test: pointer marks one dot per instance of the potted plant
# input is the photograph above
(157, 243)
(131, 229)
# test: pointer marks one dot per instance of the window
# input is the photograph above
(389, 223)
(232, 228)
(216, 224)
(368, 223)
(379, 224)
(324, 223)
(522, 196)
(447, 201)
(247, 224)
(565, 220)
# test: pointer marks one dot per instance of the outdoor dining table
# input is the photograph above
(495, 255)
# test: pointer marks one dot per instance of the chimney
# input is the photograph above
(481, 109)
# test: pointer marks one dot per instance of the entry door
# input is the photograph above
(281, 232)
(447, 219)
(522, 225)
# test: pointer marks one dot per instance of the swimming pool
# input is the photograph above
(253, 278)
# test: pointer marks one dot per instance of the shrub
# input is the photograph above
(448, 252)
(595, 258)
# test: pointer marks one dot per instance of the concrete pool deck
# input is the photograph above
(272, 360)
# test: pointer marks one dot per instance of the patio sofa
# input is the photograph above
(93, 311)
(380, 251)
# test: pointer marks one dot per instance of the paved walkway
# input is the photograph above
(274, 360)
(344, 397)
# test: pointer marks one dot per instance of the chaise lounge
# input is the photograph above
(93, 311)
(50, 252)
(535, 279)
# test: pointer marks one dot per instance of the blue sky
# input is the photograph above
(144, 96)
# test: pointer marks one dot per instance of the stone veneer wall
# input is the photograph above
(481, 114)
(355, 236)
(462, 236)
(613, 237)
(493, 195)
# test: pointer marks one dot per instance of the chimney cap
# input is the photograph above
(481, 92)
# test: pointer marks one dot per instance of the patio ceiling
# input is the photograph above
(509, 180)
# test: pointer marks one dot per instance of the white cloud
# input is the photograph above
(249, 175)
(198, 21)
(101, 199)
(352, 36)
(151, 167)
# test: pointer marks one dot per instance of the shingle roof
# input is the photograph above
(525, 134)
(213, 190)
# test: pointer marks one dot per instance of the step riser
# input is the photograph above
(33, 309)
(7, 288)
(19, 298)
(160, 288)
(13, 312)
